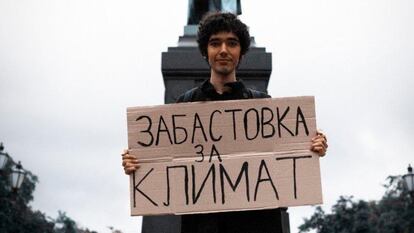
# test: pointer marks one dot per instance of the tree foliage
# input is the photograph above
(64, 224)
(394, 213)
(16, 216)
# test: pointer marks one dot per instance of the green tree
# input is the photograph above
(64, 224)
(394, 213)
(16, 216)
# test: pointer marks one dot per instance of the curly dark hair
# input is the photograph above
(213, 23)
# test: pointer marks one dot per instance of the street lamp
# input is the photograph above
(4, 158)
(409, 180)
(17, 176)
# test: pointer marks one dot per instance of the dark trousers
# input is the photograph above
(258, 221)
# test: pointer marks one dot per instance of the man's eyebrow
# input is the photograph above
(218, 39)
(213, 39)
(233, 39)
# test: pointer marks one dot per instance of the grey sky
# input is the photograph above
(69, 69)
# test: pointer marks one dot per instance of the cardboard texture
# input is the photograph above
(223, 156)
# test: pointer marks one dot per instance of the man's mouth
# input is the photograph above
(223, 60)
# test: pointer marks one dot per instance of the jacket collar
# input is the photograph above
(237, 89)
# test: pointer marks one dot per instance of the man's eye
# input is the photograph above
(233, 43)
(214, 43)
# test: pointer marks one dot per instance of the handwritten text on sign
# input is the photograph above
(223, 156)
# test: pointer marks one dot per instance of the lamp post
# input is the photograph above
(4, 158)
(17, 176)
(409, 181)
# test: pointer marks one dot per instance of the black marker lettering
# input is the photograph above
(233, 111)
(267, 122)
(213, 152)
(294, 169)
(139, 190)
(176, 128)
(200, 152)
(244, 170)
(260, 179)
(279, 121)
(162, 122)
(211, 127)
(185, 183)
(212, 172)
(198, 125)
(302, 120)
(148, 130)
(246, 129)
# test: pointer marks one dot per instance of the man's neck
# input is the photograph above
(219, 81)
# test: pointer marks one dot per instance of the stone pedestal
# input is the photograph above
(183, 68)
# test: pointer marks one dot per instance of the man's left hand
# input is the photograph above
(319, 143)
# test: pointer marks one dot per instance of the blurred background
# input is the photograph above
(69, 69)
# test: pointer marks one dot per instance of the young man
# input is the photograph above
(223, 40)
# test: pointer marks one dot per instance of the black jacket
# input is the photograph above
(255, 221)
(206, 92)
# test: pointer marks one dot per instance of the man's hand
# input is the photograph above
(319, 143)
(129, 162)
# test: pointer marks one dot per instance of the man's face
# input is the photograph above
(223, 50)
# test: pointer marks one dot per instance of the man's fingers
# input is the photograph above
(319, 145)
(128, 156)
(131, 167)
(321, 134)
(321, 141)
(320, 137)
(321, 150)
(127, 163)
(125, 152)
(129, 171)
(318, 148)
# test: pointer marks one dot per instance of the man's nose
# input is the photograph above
(223, 49)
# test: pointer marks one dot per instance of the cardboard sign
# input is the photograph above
(223, 156)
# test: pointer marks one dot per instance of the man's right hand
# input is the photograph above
(129, 162)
